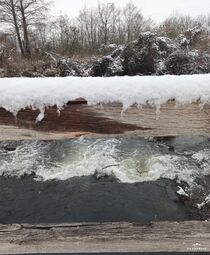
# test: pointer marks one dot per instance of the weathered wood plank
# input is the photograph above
(115, 237)
(77, 119)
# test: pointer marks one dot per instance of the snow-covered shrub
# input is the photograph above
(155, 55)
(111, 65)
(187, 62)
(139, 56)
(151, 54)
(68, 67)
(107, 49)
(5, 52)
(147, 55)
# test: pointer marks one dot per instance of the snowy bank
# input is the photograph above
(19, 93)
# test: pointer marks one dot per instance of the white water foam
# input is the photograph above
(127, 160)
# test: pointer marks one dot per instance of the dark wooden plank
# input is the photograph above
(115, 237)
(77, 118)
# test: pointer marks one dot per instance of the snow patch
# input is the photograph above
(205, 202)
(181, 192)
(40, 117)
(39, 93)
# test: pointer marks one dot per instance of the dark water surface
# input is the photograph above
(88, 200)
(87, 180)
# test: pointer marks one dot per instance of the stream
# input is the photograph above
(105, 180)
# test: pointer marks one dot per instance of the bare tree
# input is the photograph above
(176, 24)
(8, 14)
(88, 28)
(135, 23)
(105, 15)
(23, 15)
(92, 30)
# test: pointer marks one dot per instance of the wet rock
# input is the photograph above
(10, 148)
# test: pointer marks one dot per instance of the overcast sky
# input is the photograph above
(156, 9)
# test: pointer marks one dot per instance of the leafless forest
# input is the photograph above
(104, 41)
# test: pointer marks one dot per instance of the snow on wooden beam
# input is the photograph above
(78, 119)
(190, 236)
(35, 104)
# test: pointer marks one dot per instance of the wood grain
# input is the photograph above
(115, 237)
(77, 118)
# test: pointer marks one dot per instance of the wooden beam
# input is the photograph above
(77, 118)
(115, 237)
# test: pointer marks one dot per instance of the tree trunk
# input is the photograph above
(25, 31)
(17, 28)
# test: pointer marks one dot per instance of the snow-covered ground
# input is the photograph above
(18, 93)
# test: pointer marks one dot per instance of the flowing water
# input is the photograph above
(100, 180)
(130, 160)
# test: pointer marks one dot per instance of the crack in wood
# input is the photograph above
(107, 237)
